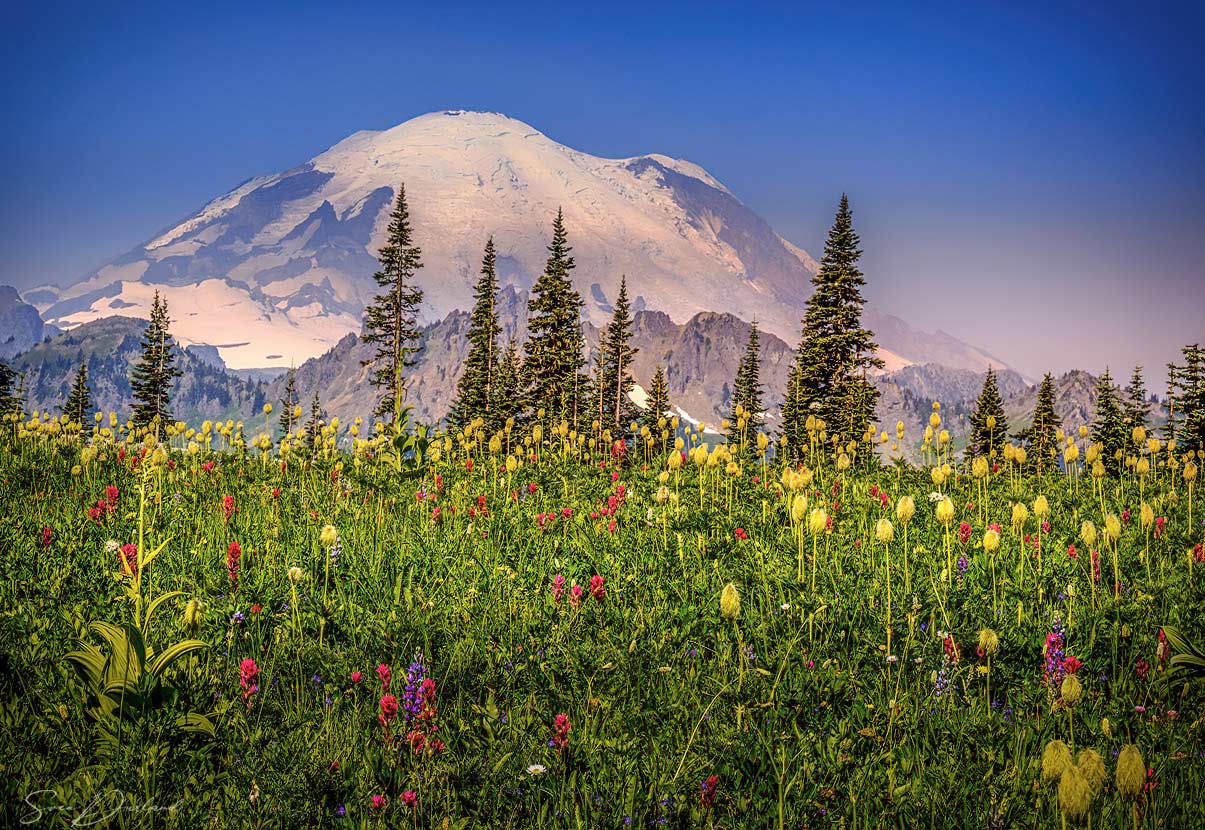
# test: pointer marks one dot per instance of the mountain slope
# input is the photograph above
(278, 270)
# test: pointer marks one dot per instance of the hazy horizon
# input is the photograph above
(1030, 182)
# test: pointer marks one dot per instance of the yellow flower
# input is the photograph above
(1087, 532)
(1075, 793)
(883, 531)
(1146, 516)
(799, 508)
(192, 613)
(1056, 757)
(1112, 528)
(1131, 772)
(730, 602)
(817, 521)
(991, 541)
(1093, 767)
(905, 509)
(1071, 690)
(328, 536)
(1106, 728)
(989, 643)
(1020, 514)
(945, 511)
(1041, 507)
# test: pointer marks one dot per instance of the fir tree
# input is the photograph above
(1187, 397)
(614, 385)
(79, 401)
(312, 433)
(8, 392)
(391, 320)
(835, 351)
(152, 377)
(1135, 401)
(290, 403)
(475, 392)
(747, 393)
(554, 353)
(794, 416)
(508, 391)
(657, 405)
(1108, 426)
(1041, 436)
(989, 425)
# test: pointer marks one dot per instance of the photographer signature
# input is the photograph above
(102, 807)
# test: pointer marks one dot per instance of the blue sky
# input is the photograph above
(1030, 177)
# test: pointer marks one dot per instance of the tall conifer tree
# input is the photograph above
(835, 352)
(8, 392)
(391, 320)
(475, 390)
(657, 405)
(1108, 426)
(1041, 436)
(79, 401)
(1135, 401)
(747, 392)
(290, 401)
(615, 368)
(554, 353)
(153, 375)
(989, 425)
(1186, 392)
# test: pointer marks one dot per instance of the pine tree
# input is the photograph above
(79, 401)
(835, 351)
(989, 425)
(152, 377)
(1187, 397)
(1135, 401)
(554, 353)
(312, 432)
(657, 405)
(794, 416)
(10, 403)
(475, 391)
(290, 402)
(508, 390)
(614, 384)
(1041, 436)
(1108, 426)
(747, 393)
(391, 320)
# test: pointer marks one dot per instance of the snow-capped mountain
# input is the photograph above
(279, 269)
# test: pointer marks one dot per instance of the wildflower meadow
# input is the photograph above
(541, 628)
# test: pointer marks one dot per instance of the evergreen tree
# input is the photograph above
(615, 407)
(554, 353)
(290, 402)
(989, 425)
(747, 393)
(1108, 426)
(79, 401)
(835, 351)
(794, 416)
(1135, 401)
(8, 393)
(1170, 428)
(475, 392)
(1041, 436)
(152, 377)
(657, 404)
(1187, 396)
(312, 433)
(508, 391)
(391, 320)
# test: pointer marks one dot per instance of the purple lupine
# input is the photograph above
(941, 683)
(412, 697)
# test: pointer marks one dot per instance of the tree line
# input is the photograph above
(829, 389)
